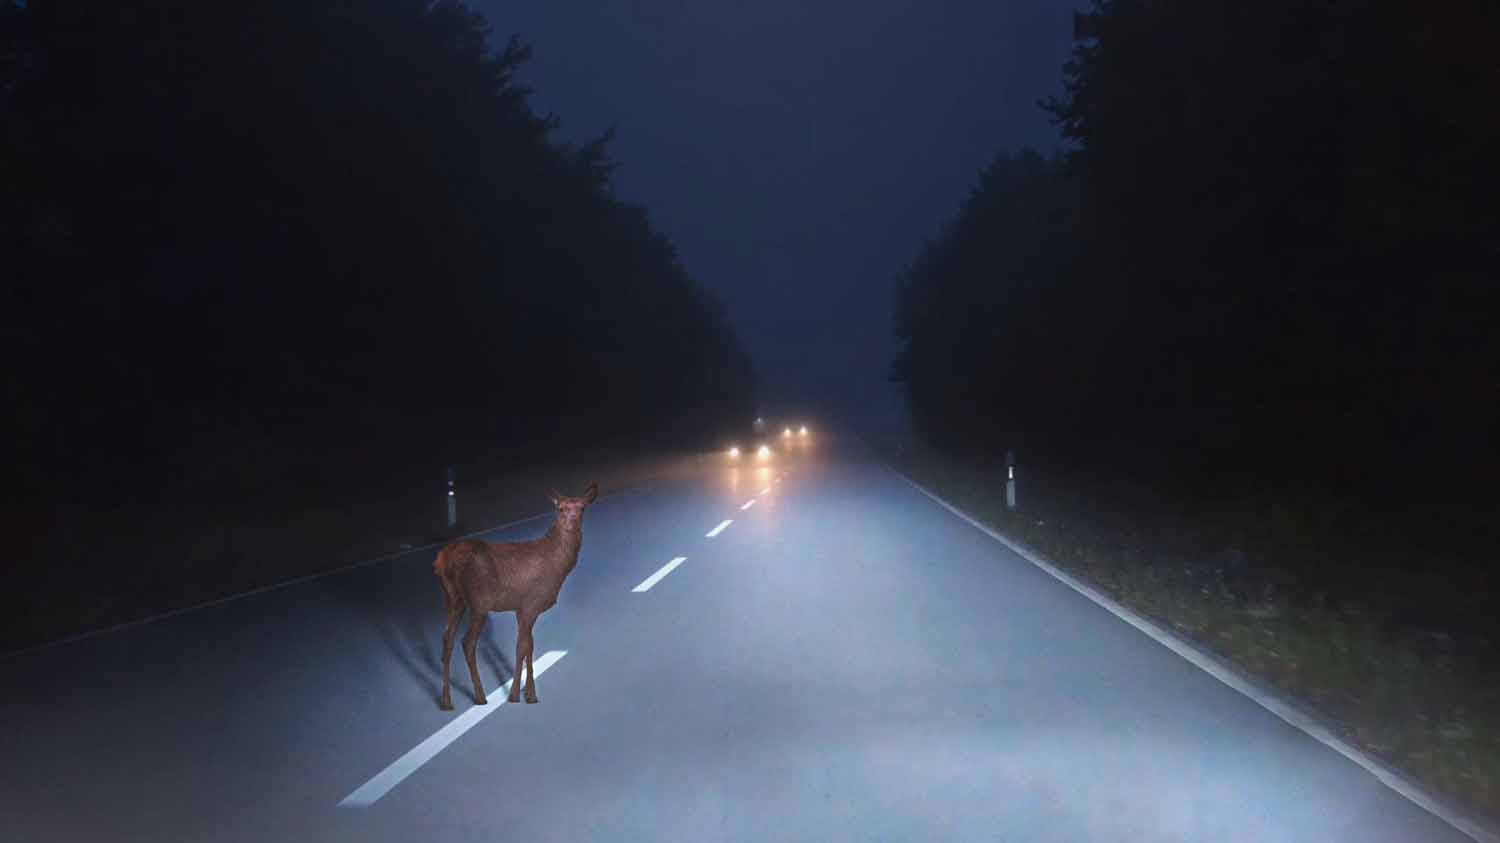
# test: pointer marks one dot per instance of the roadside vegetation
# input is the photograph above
(1393, 652)
(1236, 326)
(264, 259)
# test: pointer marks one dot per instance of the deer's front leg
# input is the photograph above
(530, 676)
(524, 621)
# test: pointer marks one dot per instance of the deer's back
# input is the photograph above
(497, 577)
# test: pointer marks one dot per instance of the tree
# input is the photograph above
(243, 269)
(1282, 231)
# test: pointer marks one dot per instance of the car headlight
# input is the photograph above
(803, 431)
(764, 452)
(786, 432)
(734, 451)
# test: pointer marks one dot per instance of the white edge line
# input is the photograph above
(1453, 815)
(748, 504)
(370, 792)
(385, 557)
(655, 578)
(719, 529)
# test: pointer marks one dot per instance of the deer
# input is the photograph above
(522, 577)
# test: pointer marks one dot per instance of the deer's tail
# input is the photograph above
(447, 563)
(443, 567)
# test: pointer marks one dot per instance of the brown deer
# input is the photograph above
(521, 577)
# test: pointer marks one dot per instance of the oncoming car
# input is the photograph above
(794, 434)
(765, 442)
(756, 445)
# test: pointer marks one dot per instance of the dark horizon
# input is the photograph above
(795, 155)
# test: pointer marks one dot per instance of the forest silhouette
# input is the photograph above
(263, 254)
(1261, 267)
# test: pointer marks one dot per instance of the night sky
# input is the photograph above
(798, 153)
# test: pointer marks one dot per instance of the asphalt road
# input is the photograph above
(847, 660)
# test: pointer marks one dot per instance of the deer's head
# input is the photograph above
(570, 509)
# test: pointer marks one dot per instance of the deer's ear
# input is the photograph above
(592, 492)
(556, 497)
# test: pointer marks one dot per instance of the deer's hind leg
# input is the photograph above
(471, 638)
(455, 606)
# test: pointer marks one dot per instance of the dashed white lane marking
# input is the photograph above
(657, 577)
(748, 504)
(765, 491)
(371, 791)
(719, 529)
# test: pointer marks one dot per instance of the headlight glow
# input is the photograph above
(764, 452)
(803, 431)
(786, 432)
(734, 451)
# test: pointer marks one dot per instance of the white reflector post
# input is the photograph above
(1010, 480)
(452, 500)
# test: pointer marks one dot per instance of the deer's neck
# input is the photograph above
(566, 541)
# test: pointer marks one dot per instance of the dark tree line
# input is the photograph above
(280, 243)
(1267, 260)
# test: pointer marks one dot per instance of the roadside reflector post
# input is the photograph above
(452, 500)
(1010, 480)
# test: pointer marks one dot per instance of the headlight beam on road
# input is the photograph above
(370, 792)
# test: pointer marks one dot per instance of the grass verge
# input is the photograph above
(1394, 649)
(127, 562)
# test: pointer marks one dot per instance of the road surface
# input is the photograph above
(846, 660)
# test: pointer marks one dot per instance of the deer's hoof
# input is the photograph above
(530, 698)
(445, 705)
(481, 700)
(515, 698)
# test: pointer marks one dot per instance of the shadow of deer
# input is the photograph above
(522, 577)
